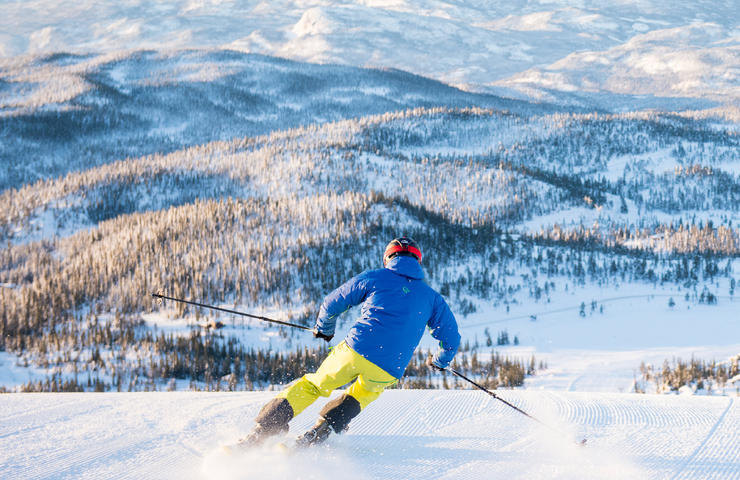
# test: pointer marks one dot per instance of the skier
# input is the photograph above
(396, 307)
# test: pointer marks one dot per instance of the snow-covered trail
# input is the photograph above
(404, 434)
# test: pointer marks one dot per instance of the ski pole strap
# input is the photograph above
(257, 317)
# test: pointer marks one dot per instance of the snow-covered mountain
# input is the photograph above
(133, 170)
(254, 155)
(64, 112)
(404, 434)
(559, 50)
(574, 233)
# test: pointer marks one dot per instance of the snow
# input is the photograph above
(602, 351)
(530, 47)
(666, 61)
(404, 434)
(13, 373)
(623, 326)
(543, 49)
(657, 162)
(635, 316)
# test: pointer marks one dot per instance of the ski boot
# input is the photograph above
(258, 436)
(334, 417)
(316, 435)
(272, 420)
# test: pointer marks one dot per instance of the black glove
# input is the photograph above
(323, 336)
(433, 365)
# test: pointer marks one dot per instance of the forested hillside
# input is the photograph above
(509, 205)
(68, 112)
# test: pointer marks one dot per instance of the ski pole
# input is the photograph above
(264, 319)
(480, 387)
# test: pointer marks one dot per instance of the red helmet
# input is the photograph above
(403, 246)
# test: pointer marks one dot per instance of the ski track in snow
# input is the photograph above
(717, 448)
(410, 434)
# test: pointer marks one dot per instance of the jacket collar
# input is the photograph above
(406, 266)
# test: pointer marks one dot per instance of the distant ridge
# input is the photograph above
(668, 53)
(71, 111)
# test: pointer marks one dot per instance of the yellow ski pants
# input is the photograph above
(340, 367)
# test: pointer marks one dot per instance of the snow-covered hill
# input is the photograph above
(550, 49)
(573, 232)
(205, 169)
(407, 434)
(64, 112)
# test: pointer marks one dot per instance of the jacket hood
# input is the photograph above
(406, 266)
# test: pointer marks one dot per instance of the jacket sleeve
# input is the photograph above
(351, 293)
(443, 327)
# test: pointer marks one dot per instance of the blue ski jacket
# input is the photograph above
(396, 306)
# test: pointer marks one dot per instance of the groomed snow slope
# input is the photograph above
(404, 434)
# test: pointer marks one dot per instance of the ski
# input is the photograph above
(241, 448)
